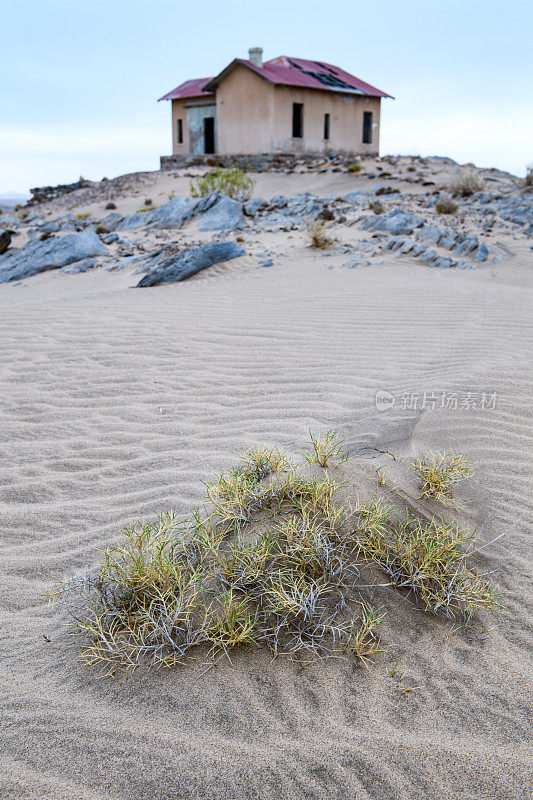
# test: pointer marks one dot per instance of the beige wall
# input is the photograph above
(254, 116)
(245, 113)
(346, 121)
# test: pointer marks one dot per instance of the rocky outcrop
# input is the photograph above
(396, 222)
(53, 253)
(225, 214)
(181, 265)
(5, 239)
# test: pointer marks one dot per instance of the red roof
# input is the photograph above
(287, 72)
(194, 88)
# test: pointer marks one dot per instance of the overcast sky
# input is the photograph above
(79, 80)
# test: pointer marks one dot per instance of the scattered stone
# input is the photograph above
(80, 266)
(189, 261)
(110, 238)
(51, 254)
(225, 215)
(110, 207)
(429, 234)
(395, 221)
(481, 253)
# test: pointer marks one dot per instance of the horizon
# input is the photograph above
(65, 114)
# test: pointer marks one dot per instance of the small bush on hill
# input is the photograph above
(445, 204)
(356, 167)
(467, 183)
(230, 181)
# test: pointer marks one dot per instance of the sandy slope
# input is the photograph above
(116, 403)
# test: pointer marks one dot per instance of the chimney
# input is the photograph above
(255, 55)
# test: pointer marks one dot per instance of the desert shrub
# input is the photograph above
(468, 182)
(440, 473)
(377, 207)
(326, 447)
(230, 181)
(82, 216)
(356, 167)
(315, 232)
(426, 558)
(267, 561)
(446, 205)
(528, 180)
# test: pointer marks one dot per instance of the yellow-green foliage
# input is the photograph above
(356, 167)
(230, 181)
(327, 447)
(440, 473)
(267, 561)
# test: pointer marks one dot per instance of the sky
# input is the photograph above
(79, 81)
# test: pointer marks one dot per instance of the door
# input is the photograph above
(209, 134)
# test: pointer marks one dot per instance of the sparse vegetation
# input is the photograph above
(440, 473)
(467, 183)
(317, 237)
(266, 562)
(446, 205)
(82, 216)
(356, 167)
(230, 181)
(377, 207)
(327, 447)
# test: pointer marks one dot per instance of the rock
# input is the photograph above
(133, 221)
(185, 263)
(326, 214)
(429, 234)
(5, 239)
(252, 207)
(481, 253)
(109, 223)
(357, 197)
(467, 244)
(266, 262)
(51, 227)
(225, 215)
(444, 263)
(428, 256)
(80, 266)
(110, 207)
(110, 238)
(418, 249)
(51, 254)
(395, 222)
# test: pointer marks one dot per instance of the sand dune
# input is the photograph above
(116, 403)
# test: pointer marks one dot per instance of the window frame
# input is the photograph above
(179, 131)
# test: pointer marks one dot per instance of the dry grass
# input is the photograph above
(440, 473)
(230, 181)
(528, 180)
(268, 561)
(467, 183)
(446, 205)
(316, 235)
(377, 207)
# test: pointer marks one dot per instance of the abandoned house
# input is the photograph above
(286, 105)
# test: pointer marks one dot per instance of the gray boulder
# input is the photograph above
(396, 222)
(359, 196)
(182, 265)
(482, 253)
(51, 254)
(109, 223)
(50, 227)
(429, 234)
(225, 215)
(80, 266)
(252, 207)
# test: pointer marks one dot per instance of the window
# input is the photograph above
(180, 131)
(326, 126)
(297, 120)
(367, 127)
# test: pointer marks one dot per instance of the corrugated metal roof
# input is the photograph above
(193, 88)
(285, 71)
